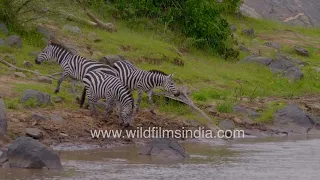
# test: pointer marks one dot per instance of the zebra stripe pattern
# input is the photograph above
(99, 85)
(74, 66)
(144, 81)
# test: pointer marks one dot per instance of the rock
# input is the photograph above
(111, 59)
(71, 48)
(227, 124)
(233, 28)
(39, 117)
(316, 69)
(248, 11)
(294, 61)
(13, 41)
(26, 152)
(280, 65)
(3, 156)
(57, 100)
(56, 117)
(3, 118)
(164, 148)
(301, 51)
(20, 75)
(34, 133)
(94, 37)
(72, 29)
(258, 59)
(248, 32)
(240, 109)
(6, 165)
(243, 48)
(40, 97)
(294, 74)
(1, 42)
(273, 45)
(45, 79)
(44, 31)
(4, 29)
(63, 134)
(292, 119)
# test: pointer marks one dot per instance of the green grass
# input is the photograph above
(225, 107)
(268, 114)
(208, 76)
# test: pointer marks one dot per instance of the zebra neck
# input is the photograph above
(155, 80)
(61, 56)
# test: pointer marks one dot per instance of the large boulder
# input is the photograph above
(13, 41)
(40, 97)
(26, 152)
(3, 119)
(292, 120)
(44, 31)
(164, 148)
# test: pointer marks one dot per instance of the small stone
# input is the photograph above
(273, 45)
(1, 42)
(72, 29)
(34, 133)
(243, 48)
(56, 117)
(233, 28)
(13, 41)
(20, 75)
(64, 135)
(94, 37)
(39, 117)
(6, 165)
(45, 79)
(227, 124)
(57, 100)
(248, 32)
(301, 51)
(237, 120)
(40, 97)
(4, 29)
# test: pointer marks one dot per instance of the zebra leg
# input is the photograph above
(109, 107)
(151, 102)
(63, 77)
(136, 108)
(92, 105)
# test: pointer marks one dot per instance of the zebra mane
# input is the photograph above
(158, 71)
(60, 45)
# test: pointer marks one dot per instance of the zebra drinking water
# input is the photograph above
(144, 81)
(73, 66)
(99, 85)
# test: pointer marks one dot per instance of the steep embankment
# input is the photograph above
(294, 12)
(247, 94)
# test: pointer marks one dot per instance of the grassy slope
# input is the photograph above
(210, 77)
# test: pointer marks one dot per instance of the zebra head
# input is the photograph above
(170, 86)
(127, 113)
(46, 54)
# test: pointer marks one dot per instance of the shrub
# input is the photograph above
(225, 107)
(201, 20)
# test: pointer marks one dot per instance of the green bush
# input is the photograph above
(201, 20)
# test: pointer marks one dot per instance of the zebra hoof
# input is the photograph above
(56, 91)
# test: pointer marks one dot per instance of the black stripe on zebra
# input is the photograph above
(99, 85)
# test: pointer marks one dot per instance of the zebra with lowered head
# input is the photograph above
(73, 66)
(144, 81)
(99, 85)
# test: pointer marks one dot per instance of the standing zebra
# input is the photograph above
(99, 85)
(73, 65)
(144, 81)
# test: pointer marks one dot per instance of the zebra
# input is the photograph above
(143, 81)
(99, 85)
(73, 66)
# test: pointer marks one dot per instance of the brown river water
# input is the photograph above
(294, 158)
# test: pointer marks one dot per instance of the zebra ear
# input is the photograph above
(170, 75)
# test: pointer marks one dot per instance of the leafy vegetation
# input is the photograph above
(269, 112)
